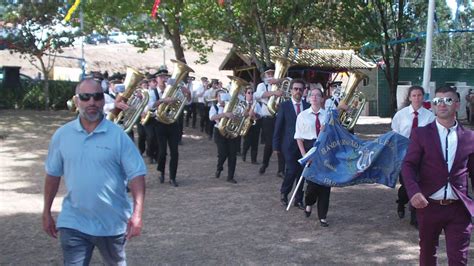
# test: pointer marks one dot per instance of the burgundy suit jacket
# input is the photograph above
(424, 168)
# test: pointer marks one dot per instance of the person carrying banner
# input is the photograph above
(412, 116)
(436, 168)
(97, 160)
(284, 141)
(309, 124)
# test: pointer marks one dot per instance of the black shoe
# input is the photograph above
(254, 162)
(173, 183)
(231, 180)
(284, 199)
(280, 174)
(162, 178)
(299, 204)
(401, 211)
(218, 174)
(262, 170)
(413, 220)
(306, 212)
(323, 222)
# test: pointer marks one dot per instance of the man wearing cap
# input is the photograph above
(168, 134)
(140, 128)
(191, 107)
(210, 99)
(334, 95)
(151, 125)
(262, 94)
(200, 105)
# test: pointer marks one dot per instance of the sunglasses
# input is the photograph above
(298, 89)
(98, 96)
(440, 100)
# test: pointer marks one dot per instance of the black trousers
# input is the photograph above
(168, 135)
(402, 192)
(293, 172)
(191, 112)
(151, 129)
(268, 126)
(317, 193)
(204, 116)
(226, 149)
(251, 141)
(141, 137)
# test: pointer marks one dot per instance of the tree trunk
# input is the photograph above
(45, 82)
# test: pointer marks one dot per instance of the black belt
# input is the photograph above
(443, 202)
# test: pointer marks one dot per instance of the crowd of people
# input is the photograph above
(433, 179)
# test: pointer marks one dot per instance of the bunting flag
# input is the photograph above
(72, 10)
(341, 159)
(154, 9)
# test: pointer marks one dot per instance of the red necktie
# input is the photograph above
(415, 120)
(298, 110)
(318, 125)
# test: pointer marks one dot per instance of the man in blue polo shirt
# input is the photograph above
(97, 160)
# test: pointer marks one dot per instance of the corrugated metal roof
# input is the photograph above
(324, 58)
(330, 59)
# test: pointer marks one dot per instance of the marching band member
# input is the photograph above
(210, 99)
(201, 105)
(412, 116)
(151, 125)
(168, 134)
(226, 147)
(284, 141)
(309, 124)
(262, 94)
(192, 107)
(251, 139)
(140, 128)
(334, 95)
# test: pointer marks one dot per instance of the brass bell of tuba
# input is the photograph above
(354, 99)
(231, 127)
(169, 113)
(281, 68)
(248, 122)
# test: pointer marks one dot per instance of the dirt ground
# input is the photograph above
(206, 220)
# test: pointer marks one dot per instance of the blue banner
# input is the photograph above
(341, 159)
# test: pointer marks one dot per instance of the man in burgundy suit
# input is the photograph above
(436, 168)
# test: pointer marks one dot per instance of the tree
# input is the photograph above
(185, 24)
(36, 34)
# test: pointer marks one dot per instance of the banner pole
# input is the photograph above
(296, 188)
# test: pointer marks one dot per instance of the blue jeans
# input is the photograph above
(78, 247)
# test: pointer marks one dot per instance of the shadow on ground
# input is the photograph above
(205, 220)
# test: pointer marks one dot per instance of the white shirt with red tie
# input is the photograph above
(403, 120)
(306, 123)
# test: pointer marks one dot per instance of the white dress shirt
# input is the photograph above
(306, 123)
(451, 140)
(152, 99)
(261, 89)
(215, 111)
(403, 119)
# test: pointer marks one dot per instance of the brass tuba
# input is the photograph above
(248, 122)
(231, 127)
(281, 68)
(132, 79)
(169, 113)
(136, 104)
(354, 99)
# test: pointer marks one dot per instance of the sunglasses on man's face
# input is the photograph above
(298, 89)
(440, 100)
(97, 96)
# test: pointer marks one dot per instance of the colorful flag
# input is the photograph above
(341, 159)
(71, 10)
(155, 8)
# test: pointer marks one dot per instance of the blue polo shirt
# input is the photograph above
(96, 169)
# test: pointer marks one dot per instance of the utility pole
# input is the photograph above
(428, 51)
